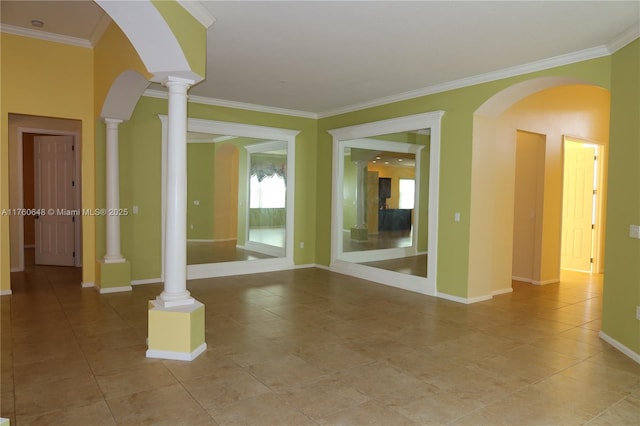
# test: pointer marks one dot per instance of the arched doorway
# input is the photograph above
(554, 107)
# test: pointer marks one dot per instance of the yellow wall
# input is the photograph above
(113, 55)
(395, 173)
(577, 110)
(51, 80)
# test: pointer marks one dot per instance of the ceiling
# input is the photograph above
(324, 57)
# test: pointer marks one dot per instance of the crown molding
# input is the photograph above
(43, 35)
(556, 61)
(198, 11)
(100, 29)
(152, 93)
(624, 38)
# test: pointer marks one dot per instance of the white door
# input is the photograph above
(54, 164)
(577, 209)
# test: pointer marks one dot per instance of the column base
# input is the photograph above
(359, 234)
(176, 332)
(113, 277)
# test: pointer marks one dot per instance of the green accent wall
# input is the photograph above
(622, 264)
(200, 187)
(141, 177)
(455, 161)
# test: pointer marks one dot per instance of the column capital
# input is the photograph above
(170, 81)
(112, 121)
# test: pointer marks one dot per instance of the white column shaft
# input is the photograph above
(113, 193)
(175, 255)
(361, 194)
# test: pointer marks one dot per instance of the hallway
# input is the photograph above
(309, 346)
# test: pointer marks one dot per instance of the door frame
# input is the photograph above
(20, 189)
(597, 244)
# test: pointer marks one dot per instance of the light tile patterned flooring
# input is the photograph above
(309, 347)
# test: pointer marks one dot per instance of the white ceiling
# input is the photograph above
(329, 56)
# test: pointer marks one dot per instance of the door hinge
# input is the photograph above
(74, 254)
(73, 147)
(593, 226)
(591, 260)
(73, 218)
(594, 192)
(73, 183)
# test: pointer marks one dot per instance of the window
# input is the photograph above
(407, 192)
(270, 193)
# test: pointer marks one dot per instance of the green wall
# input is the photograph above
(200, 187)
(455, 161)
(622, 265)
(141, 176)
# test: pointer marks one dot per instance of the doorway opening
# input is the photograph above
(583, 192)
(27, 195)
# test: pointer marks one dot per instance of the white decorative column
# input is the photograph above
(113, 254)
(360, 232)
(176, 320)
(113, 270)
(175, 256)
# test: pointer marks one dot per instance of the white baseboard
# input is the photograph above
(146, 281)
(466, 301)
(307, 265)
(6, 292)
(16, 269)
(619, 346)
(532, 281)
(196, 240)
(551, 281)
(88, 285)
(178, 356)
(114, 289)
(502, 291)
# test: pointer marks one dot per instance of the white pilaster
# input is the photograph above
(361, 194)
(175, 256)
(113, 254)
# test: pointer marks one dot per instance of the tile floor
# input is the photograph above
(311, 347)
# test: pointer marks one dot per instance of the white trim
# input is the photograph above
(240, 267)
(178, 356)
(619, 346)
(114, 289)
(502, 291)
(464, 300)
(87, 285)
(624, 38)
(430, 120)
(543, 64)
(100, 29)
(408, 282)
(198, 11)
(44, 35)
(146, 281)
(160, 94)
(6, 292)
(613, 46)
(310, 265)
(535, 282)
(207, 241)
(241, 130)
(545, 282)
